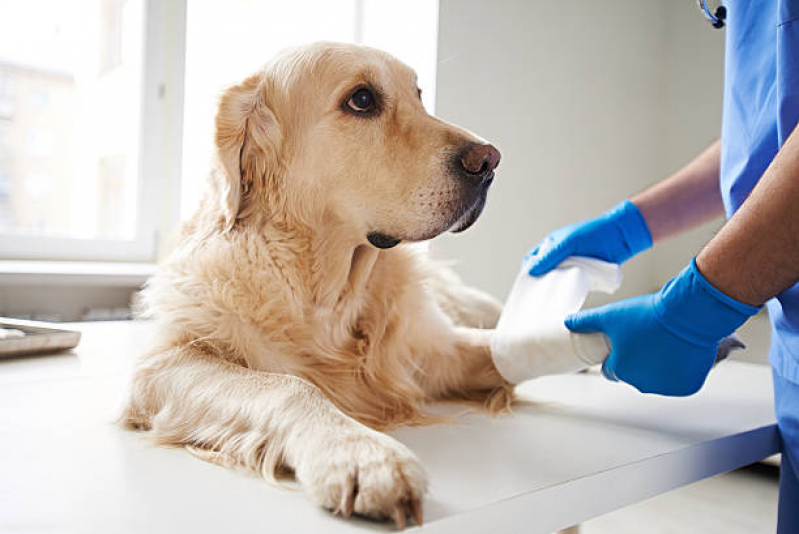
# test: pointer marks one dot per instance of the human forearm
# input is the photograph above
(756, 255)
(689, 197)
(686, 199)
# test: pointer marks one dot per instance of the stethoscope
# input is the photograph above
(714, 16)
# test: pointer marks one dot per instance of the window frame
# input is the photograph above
(160, 142)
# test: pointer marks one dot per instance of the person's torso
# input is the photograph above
(761, 109)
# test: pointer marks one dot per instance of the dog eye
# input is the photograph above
(362, 101)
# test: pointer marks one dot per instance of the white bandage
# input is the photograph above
(531, 340)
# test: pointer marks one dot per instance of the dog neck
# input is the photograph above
(363, 261)
(342, 266)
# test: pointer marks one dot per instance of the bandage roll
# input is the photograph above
(531, 340)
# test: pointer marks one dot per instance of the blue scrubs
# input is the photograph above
(761, 109)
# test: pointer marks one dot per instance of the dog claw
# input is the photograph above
(416, 509)
(348, 496)
(399, 516)
(348, 504)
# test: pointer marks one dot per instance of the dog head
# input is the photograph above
(338, 132)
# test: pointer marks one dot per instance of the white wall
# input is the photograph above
(694, 55)
(589, 102)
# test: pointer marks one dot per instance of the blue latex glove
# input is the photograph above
(666, 342)
(615, 236)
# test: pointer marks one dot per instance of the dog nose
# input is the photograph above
(480, 160)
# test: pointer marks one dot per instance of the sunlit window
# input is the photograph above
(70, 92)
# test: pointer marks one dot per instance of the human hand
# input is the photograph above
(614, 236)
(666, 342)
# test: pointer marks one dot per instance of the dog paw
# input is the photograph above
(369, 474)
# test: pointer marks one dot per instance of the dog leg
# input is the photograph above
(265, 421)
(466, 371)
(465, 305)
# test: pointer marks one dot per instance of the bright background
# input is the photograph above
(106, 113)
(70, 88)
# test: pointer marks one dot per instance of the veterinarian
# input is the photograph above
(666, 342)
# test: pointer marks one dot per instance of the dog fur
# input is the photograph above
(286, 340)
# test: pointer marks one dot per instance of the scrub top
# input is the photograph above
(761, 108)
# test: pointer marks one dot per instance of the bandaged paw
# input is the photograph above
(531, 340)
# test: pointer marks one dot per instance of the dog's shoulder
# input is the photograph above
(226, 281)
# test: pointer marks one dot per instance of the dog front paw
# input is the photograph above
(368, 473)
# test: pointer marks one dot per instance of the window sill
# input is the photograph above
(83, 273)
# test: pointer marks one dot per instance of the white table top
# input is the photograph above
(581, 448)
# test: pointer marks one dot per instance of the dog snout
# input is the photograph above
(477, 162)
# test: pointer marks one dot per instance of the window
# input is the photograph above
(39, 144)
(70, 147)
(111, 26)
(6, 94)
(113, 214)
(40, 98)
(5, 186)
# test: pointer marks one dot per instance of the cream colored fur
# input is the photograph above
(285, 341)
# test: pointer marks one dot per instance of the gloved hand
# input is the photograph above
(615, 236)
(665, 342)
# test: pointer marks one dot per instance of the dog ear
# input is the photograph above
(248, 140)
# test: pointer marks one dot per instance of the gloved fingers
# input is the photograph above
(541, 248)
(550, 258)
(586, 321)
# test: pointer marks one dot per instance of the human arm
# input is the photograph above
(666, 342)
(755, 256)
(682, 201)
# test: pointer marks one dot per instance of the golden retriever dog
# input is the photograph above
(293, 322)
